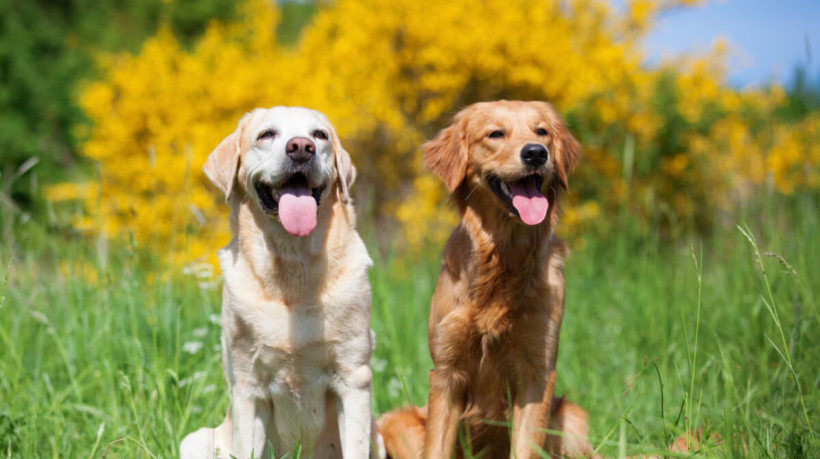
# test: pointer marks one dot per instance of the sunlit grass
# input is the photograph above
(112, 354)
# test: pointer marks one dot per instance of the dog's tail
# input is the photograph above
(403, 432)
(571, 421)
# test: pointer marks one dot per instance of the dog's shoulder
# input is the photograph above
(227, 255)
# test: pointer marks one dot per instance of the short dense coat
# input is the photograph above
(496, 313)
(296, 341)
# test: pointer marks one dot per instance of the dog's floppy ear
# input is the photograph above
(345, 169)
(566, 151)
(446, 155)
(222, 164)
(565, 145)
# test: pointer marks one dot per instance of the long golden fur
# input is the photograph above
(496, 313)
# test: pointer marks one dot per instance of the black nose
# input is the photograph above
(300, 149)
(534, 154)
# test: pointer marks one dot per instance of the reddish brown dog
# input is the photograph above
(496, 313)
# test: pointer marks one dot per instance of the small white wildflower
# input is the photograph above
(194, 377)
(206, 271)
(378, 364)
(208, 285)
(40, 317)
(192, 347)
(393, 387)
(199, 270)
(215, 319)
(200, 332)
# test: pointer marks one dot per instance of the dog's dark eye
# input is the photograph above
(319, 134)
(541, 131)
(496, 134)
(266, 134)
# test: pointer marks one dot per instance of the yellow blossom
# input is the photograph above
(389, 74)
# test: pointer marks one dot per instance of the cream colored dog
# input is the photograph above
(296, 341)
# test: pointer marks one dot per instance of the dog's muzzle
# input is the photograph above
(295, 203)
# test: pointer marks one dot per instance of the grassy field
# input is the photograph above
(103, 353)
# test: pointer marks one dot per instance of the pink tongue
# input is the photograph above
(531, 205)
(297, 210)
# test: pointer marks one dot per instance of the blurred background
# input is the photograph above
(696, 118)
(687, 111)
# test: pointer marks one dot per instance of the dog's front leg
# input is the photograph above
(531, 412)
(536, 385)
(445, 405)
(353, 410)
(251, 416)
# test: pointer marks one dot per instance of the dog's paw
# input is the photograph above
(202, 444)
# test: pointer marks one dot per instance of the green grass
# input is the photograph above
(104, 353)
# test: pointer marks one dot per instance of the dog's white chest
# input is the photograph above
(297, 392)
(293, 368)
(297, 354)
(293, 372)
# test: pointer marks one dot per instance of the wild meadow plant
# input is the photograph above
(117, 353)
(109, 329)
(673, 145)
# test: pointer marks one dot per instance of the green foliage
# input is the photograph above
(802, 96)
(47, 49)
(632, 304)
(104, 350)
(36, 113)
(295, 16)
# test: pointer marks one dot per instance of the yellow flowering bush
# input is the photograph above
(390, 73)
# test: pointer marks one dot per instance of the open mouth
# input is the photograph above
(522, 197)
(294, 202)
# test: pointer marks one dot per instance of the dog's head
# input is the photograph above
(285, 159)
(513, 154)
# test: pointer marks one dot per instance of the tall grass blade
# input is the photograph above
(5, 283)
(693, 357)
(772, 307)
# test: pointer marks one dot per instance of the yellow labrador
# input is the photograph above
(296, 341)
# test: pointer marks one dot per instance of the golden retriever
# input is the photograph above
(496, 312)
(296, 340)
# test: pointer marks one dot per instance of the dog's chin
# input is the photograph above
(521, 196)
(293, 202)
